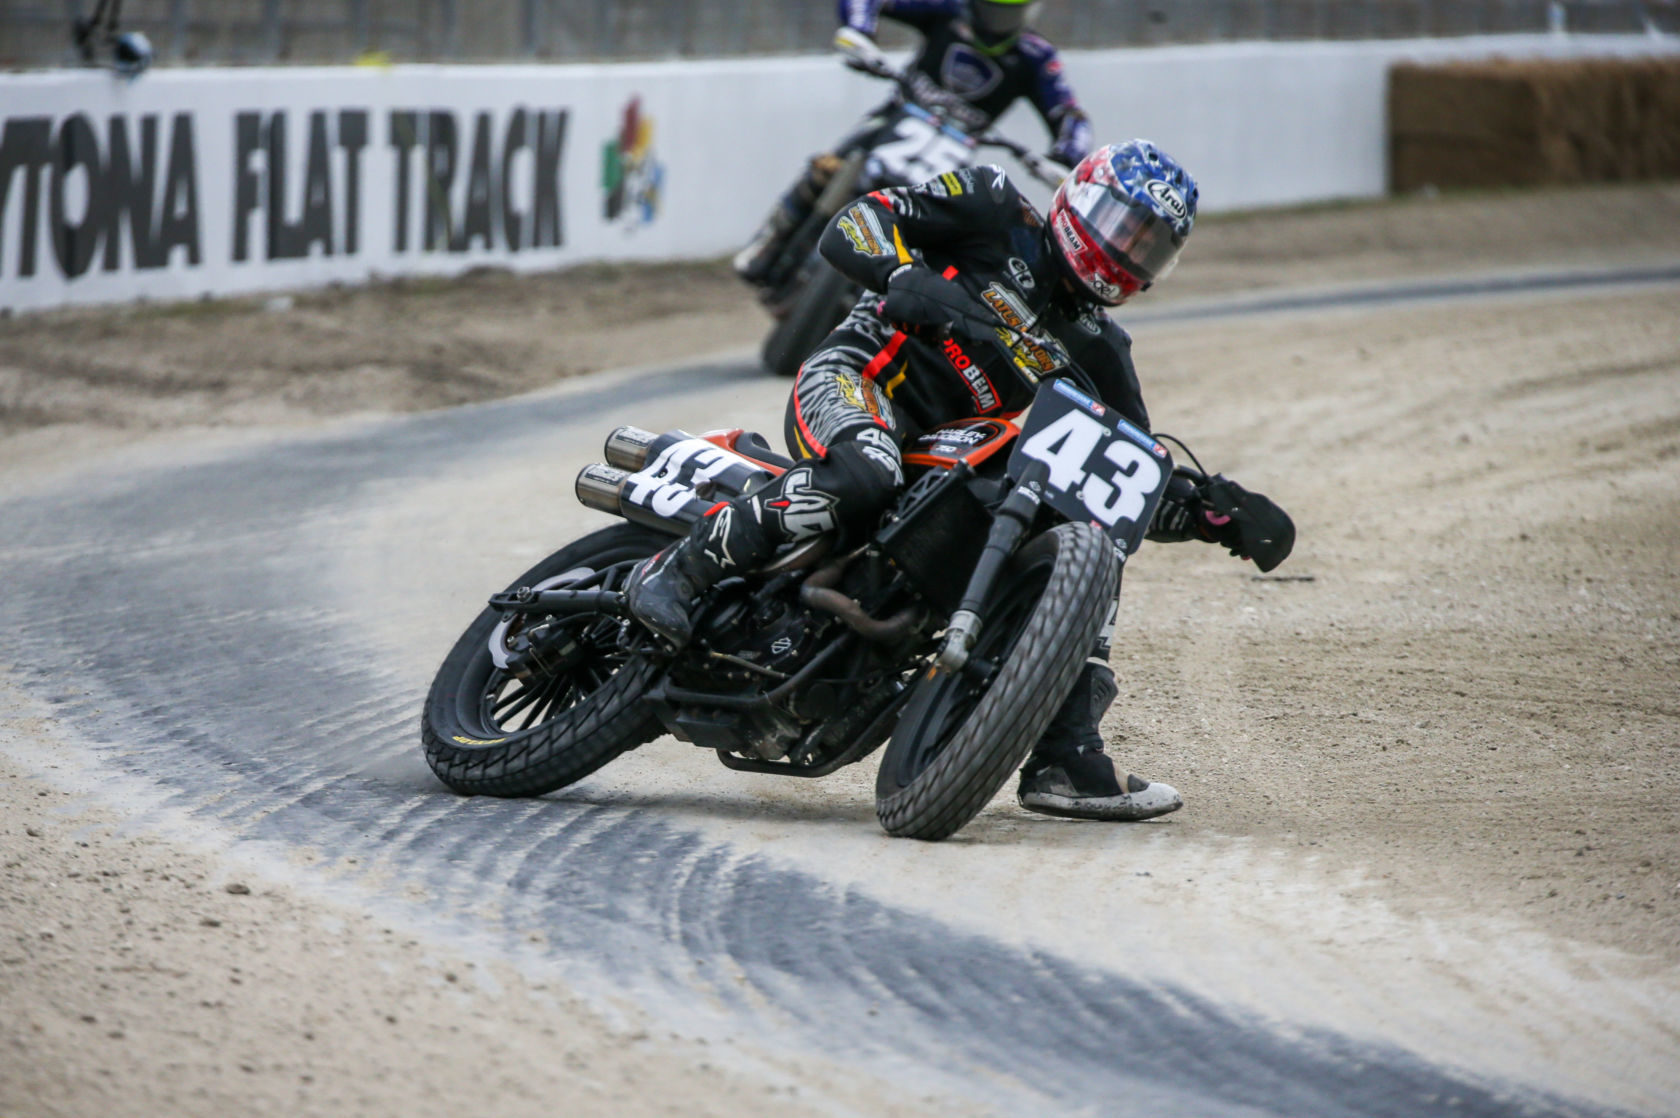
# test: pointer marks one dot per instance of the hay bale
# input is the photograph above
(1509, 123)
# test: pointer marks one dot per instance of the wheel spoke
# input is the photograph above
(515, 701)
(551, 691)
(513, 705)
(530, 714)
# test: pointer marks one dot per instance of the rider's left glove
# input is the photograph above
(1073, 138)
(1067, 154)
(1218, 510)
(1249, 525)
(859, 51)
(923, 303)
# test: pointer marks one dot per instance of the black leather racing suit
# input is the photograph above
(870, 386)
(974, 227)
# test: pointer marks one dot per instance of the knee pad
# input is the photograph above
(864, 470)
(863, 474)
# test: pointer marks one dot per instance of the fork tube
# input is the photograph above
(1011, 523)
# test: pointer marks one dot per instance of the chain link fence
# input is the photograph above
(221, 32)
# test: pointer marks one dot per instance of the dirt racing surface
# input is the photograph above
(1460, 695)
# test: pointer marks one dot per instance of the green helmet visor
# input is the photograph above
(996, 20)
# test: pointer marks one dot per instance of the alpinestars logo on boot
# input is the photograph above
(803, 509)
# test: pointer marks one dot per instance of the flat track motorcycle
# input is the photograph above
(957, 628)
(916, 138)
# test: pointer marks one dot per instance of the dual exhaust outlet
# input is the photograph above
(666, 482)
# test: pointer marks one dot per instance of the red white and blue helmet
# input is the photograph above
(1120, 218)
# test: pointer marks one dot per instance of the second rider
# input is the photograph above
(977, 58)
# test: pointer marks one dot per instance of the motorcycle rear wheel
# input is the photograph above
(963, 734)
(488, 732)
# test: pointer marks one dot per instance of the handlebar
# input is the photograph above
(1042, 168)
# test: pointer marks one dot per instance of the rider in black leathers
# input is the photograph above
(892, 369)
(976, 59)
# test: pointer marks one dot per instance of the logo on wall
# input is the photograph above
(632, 177)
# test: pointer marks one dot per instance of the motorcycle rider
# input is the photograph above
(976, 59)
(967, 243)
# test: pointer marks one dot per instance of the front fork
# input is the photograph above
(1014, 517)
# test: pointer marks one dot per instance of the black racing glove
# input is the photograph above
(1218, 510)
(923, 303)
(1249, 525)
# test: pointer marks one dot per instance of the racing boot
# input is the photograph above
(664, 590)
(1069, 775)
(754, 262)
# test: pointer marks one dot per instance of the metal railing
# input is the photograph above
(204, 32)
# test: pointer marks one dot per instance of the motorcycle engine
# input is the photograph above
(747, 637)
(776, 634)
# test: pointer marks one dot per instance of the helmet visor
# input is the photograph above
(997, 19)
(1137, 237)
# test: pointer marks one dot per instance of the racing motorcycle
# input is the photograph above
(953, 632)
(919, 137)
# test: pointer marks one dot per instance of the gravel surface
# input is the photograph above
(1461, 688)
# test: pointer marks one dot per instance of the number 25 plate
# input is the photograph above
(1103, 470)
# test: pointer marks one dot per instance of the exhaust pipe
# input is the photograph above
(599, 487)
(629, 448)
(665, 482)
(664, 508)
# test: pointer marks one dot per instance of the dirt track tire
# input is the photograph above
(474, 756)
(814, 314)
(958, 741)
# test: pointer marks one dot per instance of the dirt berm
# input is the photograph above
(1533, 123)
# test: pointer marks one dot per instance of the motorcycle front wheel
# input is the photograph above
(963, 733)
(527, 703)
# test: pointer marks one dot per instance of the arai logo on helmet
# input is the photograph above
(1103, 288)
(1167, 198)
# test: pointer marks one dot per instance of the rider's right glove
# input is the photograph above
(859, 51)
(923, 303)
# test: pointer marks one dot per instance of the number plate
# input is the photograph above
(920, 149)
(1103, 470)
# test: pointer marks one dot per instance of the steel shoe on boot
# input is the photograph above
(1085, 785)
(1068, 773)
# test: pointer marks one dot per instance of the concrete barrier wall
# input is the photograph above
(1510, 123)
(219, 182)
